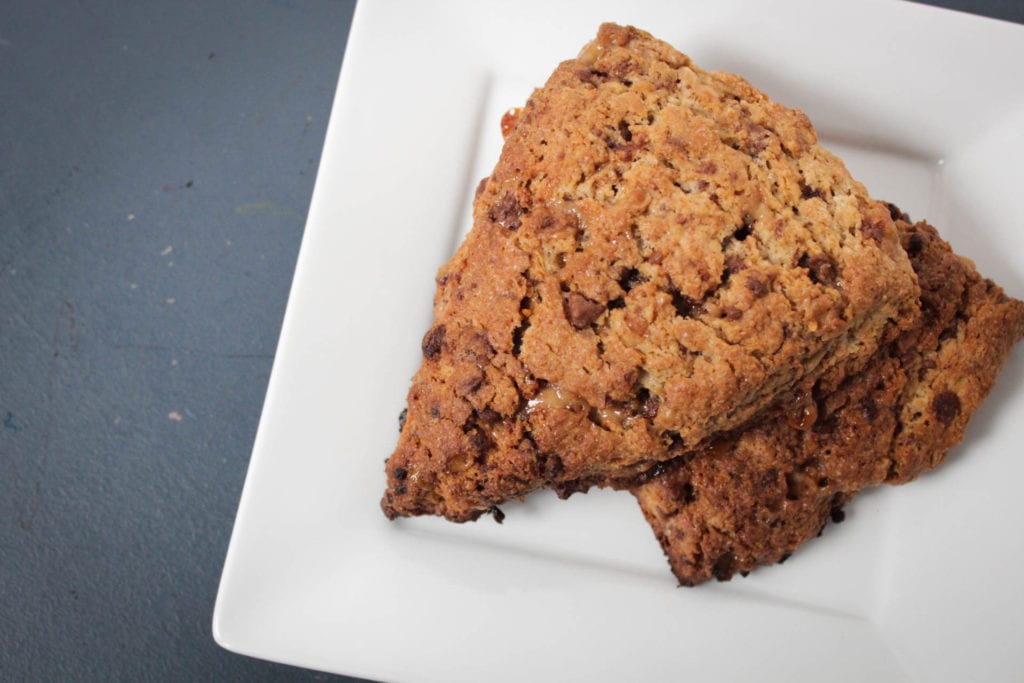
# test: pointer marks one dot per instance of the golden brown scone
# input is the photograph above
(757, 496)
(660, 254)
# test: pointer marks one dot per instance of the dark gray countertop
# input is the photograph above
(156, 165)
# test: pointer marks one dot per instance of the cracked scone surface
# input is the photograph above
(754, 498)
(660, 253)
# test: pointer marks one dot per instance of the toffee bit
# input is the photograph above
(508, 120)
(946, 406)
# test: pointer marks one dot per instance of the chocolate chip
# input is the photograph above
(617, 302)
(837, 515)
(498, 515)
(820, 269)
(507, 212)
(946, 407)
(624, 131)
(756, 286)
(785, 557)
(897, 213)
(915, 245)
(401, 473)
(581, 311)
(401, 418)
(807, 192)
(742, 232)
(433, 340)
(683, 304)
(725, 566)
(400, 490)
(732, 313)
(630, 279)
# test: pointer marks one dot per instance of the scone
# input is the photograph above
(660, 254)
(758, 495)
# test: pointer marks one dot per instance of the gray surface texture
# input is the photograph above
(156, 164)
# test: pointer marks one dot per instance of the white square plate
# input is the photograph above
(921, 583)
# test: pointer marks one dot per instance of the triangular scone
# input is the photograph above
(754, 498)
(660, 254)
